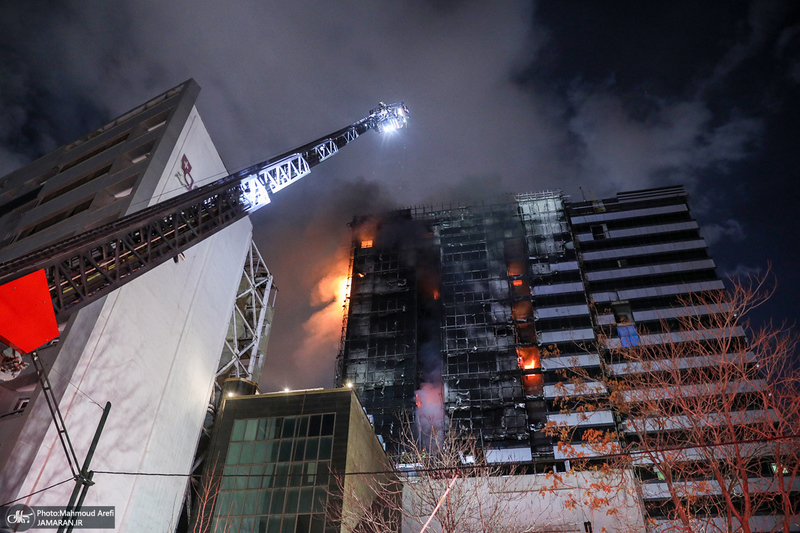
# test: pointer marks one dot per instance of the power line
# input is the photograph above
(38, 491)
(487, 466)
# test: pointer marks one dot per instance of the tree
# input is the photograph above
(426, 470)
(450, 470)
(710, 411)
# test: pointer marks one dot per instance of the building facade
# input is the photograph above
(475, 316)
(286, 461)
(151, 348)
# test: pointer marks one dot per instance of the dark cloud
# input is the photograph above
(505, 96)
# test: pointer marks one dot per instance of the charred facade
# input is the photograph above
(470, 314)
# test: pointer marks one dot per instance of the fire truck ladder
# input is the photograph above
(83, 268)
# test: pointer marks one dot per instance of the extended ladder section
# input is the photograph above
(90, 265)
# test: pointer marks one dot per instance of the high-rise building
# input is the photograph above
(452, 307)
(503, 319)
(152, 348)
(285, 461)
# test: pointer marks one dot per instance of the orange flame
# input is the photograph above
(323, 328)
(528, 357)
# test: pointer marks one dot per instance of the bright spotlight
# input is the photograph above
(230, 395)
(349, 385)
(286, 389)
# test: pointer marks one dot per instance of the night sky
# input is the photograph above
(504, 97)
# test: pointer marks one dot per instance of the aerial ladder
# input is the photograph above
(42, 288)
(88, 266)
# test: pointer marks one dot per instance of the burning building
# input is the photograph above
(469, 313)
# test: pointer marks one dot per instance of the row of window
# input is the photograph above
(255, 476)
(266, 509)
(283, 427)
(274, 451)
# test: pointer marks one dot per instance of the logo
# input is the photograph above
(186, 179)
(20, 517)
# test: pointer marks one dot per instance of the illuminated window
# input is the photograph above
(627, 335)
(366, 244)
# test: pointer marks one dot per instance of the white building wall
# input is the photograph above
(532, 503)
(152, 352)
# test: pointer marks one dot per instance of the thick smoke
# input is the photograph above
(504, 96)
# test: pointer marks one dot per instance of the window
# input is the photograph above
(21, 404)
(599, 231)
(276, 474)
(55, 219)
(91, 176)
(102, 148)
(20, 201)
(628, 336)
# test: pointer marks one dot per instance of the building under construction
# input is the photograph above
(452, 308)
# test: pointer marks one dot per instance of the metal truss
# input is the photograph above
(283, 173)
(326, 149)
(245, 344)
(91, 265)
(350, 136)
(88, 266)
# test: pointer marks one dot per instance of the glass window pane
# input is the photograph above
(250, 429)
(248, 523)
(241, 477)
(261, 432)
(250, 502)
(296, 476)
(327, 424)
(309, 473)
(288, 524)
(247, 453)
(306, 497)
(314, 424)
(276, 507)
(223, 503)
(281, 475)
(228, 479)
(302, 430)
(288, 427)
(259, 452)
(233, 525)
(264, 501)
(272, 451)
(274, 524)
(322, 473)
(299, 450)
(254, 482)
(303, 523)
(325, 444)
(268, 480)
(311, 449)
(238, 430)
(261, 524)
(320, 498)
(285, 453)
(233, 453)
(257, 470)
(317, 523)
(292, 495)
(237, 502)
